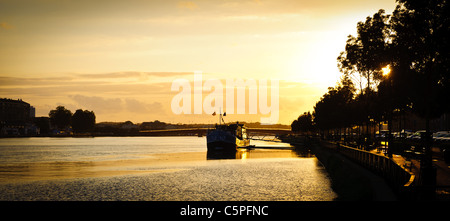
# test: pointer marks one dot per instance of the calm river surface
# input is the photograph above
(155, 168)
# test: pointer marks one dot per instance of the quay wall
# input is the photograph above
(351, 181)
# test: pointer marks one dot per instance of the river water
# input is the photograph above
(155, 169)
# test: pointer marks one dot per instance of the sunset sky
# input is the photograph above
(119, 58)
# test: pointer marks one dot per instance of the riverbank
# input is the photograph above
(350, 180)
(401, 172)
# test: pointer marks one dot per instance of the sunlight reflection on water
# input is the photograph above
(153, 168)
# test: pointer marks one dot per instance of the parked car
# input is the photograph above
(442, 138)
(440, 134)
(404, 134)
(417, 135)
(381, 134)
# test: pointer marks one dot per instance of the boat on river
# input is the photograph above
(227, 137)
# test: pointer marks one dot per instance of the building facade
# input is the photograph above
(15, 117)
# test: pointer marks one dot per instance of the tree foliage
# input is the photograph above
(60, 117)
(334, 109)
(413, 41)
(83, 121)
(365, 54)
(421, 53)
(304, 123)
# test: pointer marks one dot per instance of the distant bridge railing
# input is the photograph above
(175, 132)
(269, 131)
(203, 131)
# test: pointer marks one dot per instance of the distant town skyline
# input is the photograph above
(119, 58)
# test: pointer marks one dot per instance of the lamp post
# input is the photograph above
(386, 71)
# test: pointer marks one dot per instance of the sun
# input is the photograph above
(386, 70)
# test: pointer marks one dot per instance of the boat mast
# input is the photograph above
(220, 118)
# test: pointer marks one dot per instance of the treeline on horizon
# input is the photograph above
(412, 43)
(62, 121)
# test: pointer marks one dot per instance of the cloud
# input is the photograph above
(126, 74)
(136, 106)
(93, 82)
(132, 74)
(187, 4)
(114, 105)
(35, 81)
(5, 25)
(98, 104)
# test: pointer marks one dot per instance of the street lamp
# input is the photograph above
(386, 70)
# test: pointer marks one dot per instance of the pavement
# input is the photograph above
(413, 165)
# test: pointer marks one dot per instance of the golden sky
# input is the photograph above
(119, 58)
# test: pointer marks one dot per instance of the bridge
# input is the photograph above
(203, 131)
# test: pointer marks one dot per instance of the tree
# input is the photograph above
(334, 109)
(60, 117)
(366, 53)
(420, 40)
(304, 123)
(83, 121)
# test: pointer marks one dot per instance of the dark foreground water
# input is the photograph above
(154, 168)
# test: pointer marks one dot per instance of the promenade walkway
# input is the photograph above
(408, 161)
(413, 165)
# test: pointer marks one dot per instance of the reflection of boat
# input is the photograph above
(222, 155)
(227, 137)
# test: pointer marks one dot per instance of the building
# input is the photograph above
(32, 112)
(15, 117)
(14, 111)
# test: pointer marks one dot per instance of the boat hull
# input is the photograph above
(224, 141)
(221, 140)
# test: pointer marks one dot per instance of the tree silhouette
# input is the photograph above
(334, 109)
(83, 121)
(413, 41)
(60, 117)
(422, 53)
(365, 54)
(304, 123)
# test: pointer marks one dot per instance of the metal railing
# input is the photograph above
(398, 177)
